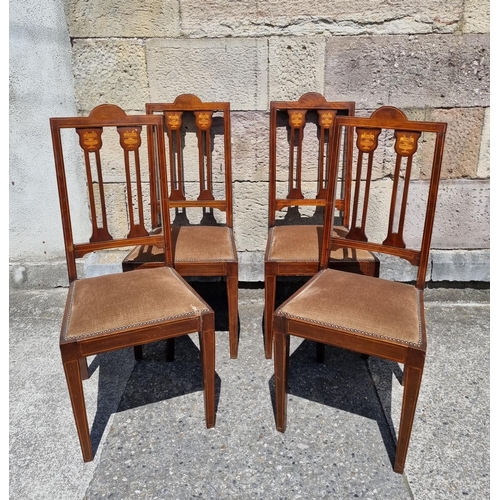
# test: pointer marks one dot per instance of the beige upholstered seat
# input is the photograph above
(104, 305)
(192, 244)
(359, 305)
(303, 243)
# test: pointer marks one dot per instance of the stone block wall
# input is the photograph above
(429, 58)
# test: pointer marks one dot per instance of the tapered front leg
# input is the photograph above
(75, 388)
(269, 302)
(412, 379)
(232, 301)
(207, 346)
(281, 353)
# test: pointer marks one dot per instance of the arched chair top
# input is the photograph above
(105, 112)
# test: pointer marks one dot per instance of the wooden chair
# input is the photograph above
(300, 140)
(366, 314)
(207, 247)
(115, 311)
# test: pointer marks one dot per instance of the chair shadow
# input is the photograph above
(213, 291)
(150, 380)
(345, 382)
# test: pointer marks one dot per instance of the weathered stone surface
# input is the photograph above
(250, 215)
(110, 71)
(296, 66)
(462, 215)
(396, 269)
(483, 167)
(122, 19)
(250, 145)
(461, 265)
(45, 274)
(224, 19)
(463, 141)
(251, 266)
(476, 16)
(233, 70)
(409, 71)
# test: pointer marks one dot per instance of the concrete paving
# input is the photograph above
(148, 424)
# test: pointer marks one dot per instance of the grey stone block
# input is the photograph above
(250, 215)
(296, 66)
(463, 141)
(122, 19)
(476, 16)
(110, 71)
(409, 71)
(461, 265)
(233, 70)
(396, 269)
(462, 215)
(483, 167)
(232, 19)
(250, 145)
(251, 266)
(50, 274)
(101, 263)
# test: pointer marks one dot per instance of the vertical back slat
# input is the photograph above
(91, 142)
(130, 141)
(296, 121)
(203, 121)
(173, 125)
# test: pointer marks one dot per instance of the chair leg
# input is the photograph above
(269, 302)
(232, 301)
(84, 369)
(75, 388)
(170, 350)
(412, 379)
(281, 353)
(320, 352)
(207, 347)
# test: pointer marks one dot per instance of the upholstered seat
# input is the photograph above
(191, 244)
(359, 305)
(303, 243)
(104, 305)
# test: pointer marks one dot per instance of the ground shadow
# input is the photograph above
(344, 381)
(151, 380)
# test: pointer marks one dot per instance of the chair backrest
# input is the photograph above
(113, 145)
(396, 165)
(300, 141)
(199, 149)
